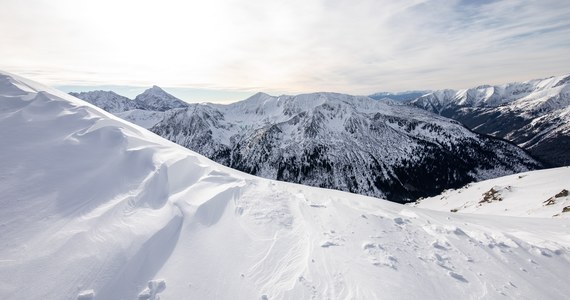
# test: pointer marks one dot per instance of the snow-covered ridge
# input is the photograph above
(152, 99)
(109, 101)
(351, 143)
(145, 110)
(534, 95)
(541, 194)
(532, 114)
(157, 99)
(399, 96)
(108, 210)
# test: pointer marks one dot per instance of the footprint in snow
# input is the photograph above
(332, 239)
(438, 245)
(400, 221)
(379, 256)
(327, 244)
(457, 276)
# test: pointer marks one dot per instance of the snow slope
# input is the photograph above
(542, 194)
(96, 208)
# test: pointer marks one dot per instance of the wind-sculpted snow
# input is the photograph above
(532, 114)
(343, 142)
(96, 208)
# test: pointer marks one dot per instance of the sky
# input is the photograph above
(226, 50)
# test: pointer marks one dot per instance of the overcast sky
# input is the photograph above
(219, 50)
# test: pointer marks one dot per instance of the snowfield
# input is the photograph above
(93, 207)
(542, 194)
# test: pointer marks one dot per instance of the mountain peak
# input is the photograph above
(155, 98)
(259, 95)
(155, 89)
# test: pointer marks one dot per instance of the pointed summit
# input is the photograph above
(155, 88)
(155, 98)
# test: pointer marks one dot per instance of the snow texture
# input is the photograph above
(93, 206)
(540, 194)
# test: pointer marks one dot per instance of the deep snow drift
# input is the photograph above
(96, 208)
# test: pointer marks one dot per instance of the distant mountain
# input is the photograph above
(109, 101)
(399, 96)
(145, 110)
(141, 117)
(157, 99)
(344, 142)
(533, 114)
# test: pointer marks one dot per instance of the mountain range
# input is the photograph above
(382, 148)
(534, 114)
(344, 142)
(351, 143)
(94, 207)
(152, 99)
(399, 96)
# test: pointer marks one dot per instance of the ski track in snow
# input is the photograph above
(96, 208)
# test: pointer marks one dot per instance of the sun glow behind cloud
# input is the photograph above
(287, 46)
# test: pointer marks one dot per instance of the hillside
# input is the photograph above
(344, 142)
(541, 194)
(107, 210)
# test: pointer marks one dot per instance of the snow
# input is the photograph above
(143, 118)
(522, 195)
(146, 110)
(95, 207)
(538, 95)
(532, 114)
(157, 99)
(108, 101)
(360, 141)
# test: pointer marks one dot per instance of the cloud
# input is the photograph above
(293, 46)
